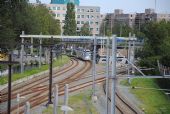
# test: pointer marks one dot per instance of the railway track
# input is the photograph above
(122, 105)
(39, 93)
(36, 82)
(35, 97)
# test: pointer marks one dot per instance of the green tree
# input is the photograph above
(122, 30)
(17, 16)
(155, 34)
(85, 30)
(7, 32)
(70, 22)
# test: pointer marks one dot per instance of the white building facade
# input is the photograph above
(84, 14)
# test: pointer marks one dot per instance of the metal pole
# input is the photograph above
(66, 97)
(113, 88)
(104, 36)
(9, 83)
(111, 24)
(18, 99)
(32, 41)
(62, 44)
(94, 66)
(129, 50)
(21, 53)
(107, 76)
(133, 54)
(40, 52)
(55, 108)
(27, 108)
(50, 74)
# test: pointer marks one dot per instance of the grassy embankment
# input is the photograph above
(153, 101)
(56, 63)
(80, 103)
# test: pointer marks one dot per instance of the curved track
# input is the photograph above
(38, 93)
(121, 105)
(33, 89)
(36, 82)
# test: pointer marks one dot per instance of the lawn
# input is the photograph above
(153, 101)
(80, 103)
(56, 63)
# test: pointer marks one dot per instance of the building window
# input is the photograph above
(54, 8)
(82, 16)
(64, 15)
(91, 22)
(58, 15)
(87, 22)
(78, 16)
(91, 10)
(49, 8)
(58, 8)
(92, 16)
(64, 8)
(78, 10)
(78, 22)
(88, 16)
(78, 28)
(82, 22)
(97, 10)
(97, 23)
(97, 29)
(82, 10)
(91, 29)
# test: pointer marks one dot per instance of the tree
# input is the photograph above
(7, 32)
(17, 16)
(122, 30)
(85, 30)
(70, 22)
(156, 33)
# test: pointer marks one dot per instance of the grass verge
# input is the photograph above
(80, 103)
(56, 63)
(153, 101)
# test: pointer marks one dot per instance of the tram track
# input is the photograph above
(40, 92)
(44, 98)
(35, 98)
(121, 104)
(36, 82)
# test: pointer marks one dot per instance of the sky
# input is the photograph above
(129, 6)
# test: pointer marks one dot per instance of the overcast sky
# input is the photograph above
(129, 6)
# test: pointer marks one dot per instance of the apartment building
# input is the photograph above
(90, 15)
(84, 14)
(136, 19)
